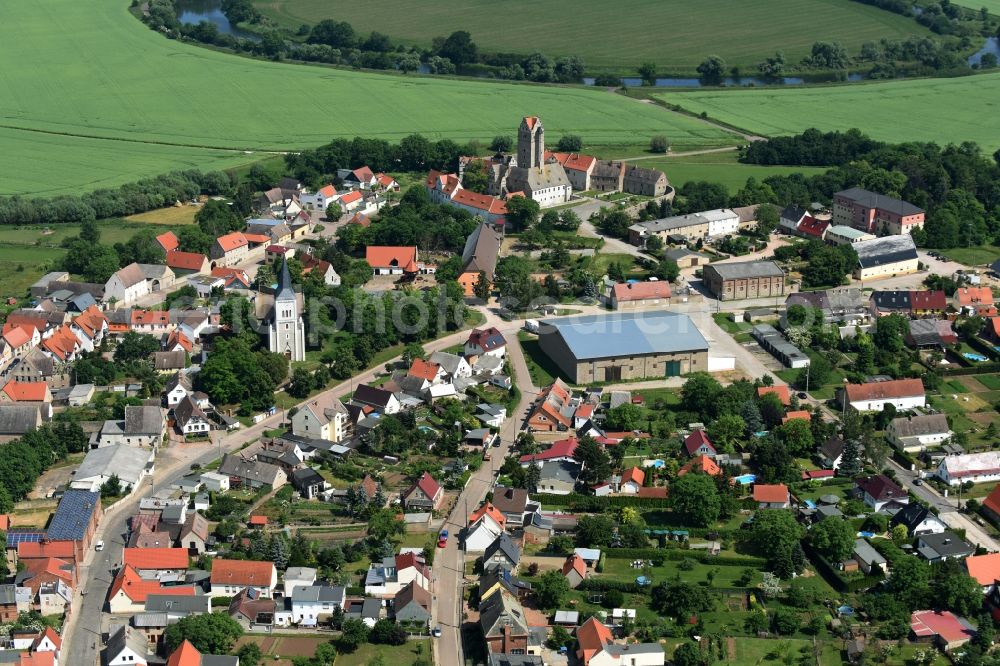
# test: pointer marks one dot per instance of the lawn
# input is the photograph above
(893, 111)
(172, 215)
(973, 256)
(20, 267)
(95, 60)
(719, 168)
(674, 34)
(541, 368)
(391, 654)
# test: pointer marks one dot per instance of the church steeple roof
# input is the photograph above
(285, 290)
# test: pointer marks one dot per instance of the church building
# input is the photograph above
(528, 172)
(286, 331)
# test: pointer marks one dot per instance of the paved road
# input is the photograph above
(449, 563)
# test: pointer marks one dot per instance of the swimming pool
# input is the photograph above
(979, 358)
(745, 479)
(811, 504)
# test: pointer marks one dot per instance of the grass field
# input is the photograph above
(719, 168)
(973, 256)
(174, 215)
(96, 71)
(675, 34)
(891, 111)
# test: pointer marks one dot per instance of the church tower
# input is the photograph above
(286, 330)
(530, 143)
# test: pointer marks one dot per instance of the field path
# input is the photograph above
(686, 153)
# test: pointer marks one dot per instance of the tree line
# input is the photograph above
(26, 457)
(957, 185)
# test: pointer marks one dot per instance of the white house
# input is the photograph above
(315, 602)
(485, 525)
(215, 481)
(319, 200)
(486, 342)
(454, 365)
(127, 647)
(126, 285)
(323, 417)
(190, 419)
(970, 467)
(229, 577)
(130, 463)
(915, 433)
(903, 394)
(298, 577)
(721, 222)
(178, 388)
(632, 481)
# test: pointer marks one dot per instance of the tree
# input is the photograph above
(354, 632)
(594, 531)
(688, 654)
(774, 533)
(459, 48)
(334, 211)
(712, 70)
(955, 589)
(647, 71)
(210, 633)
(482, 288)
(624, 417)
(249, 654)
(217, 218)
(667, 269)
(772, 67)
(679, 599)
(750, 414)
(726, 430)
(797, 436)
(135, 347)
(560, 637)
(112, 487)
(387, 632)
(695, 499)
(550, 589)
(850, 460)
(659, 144)
(699, 392)
(570, 143)
(90, 232)
(595, 461)
(302, 383)
(785, 621)
(522, 212)
(833, 538)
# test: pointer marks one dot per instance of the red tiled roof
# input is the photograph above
(488, 510)
(62, 344)
(561, 449)
(44, 658)
(637, 291)
(771, 493)
(896, 388)
(53, 566)
(4, 522)
(260, 239)
(364, 174)
(186, 261)
(17, 336)
(592, 637)
(634, 475)
(482, 202)
(137, 589)
(351, 197)
(390, 256)
(327, 191)
(799, 414)
(385, 180)
(880, 487)
(424, 369)
(241, 572)
(780, 391)
(487, 339)
(177, 337)
(150, 317)
(360, 218)
(530, 121)
(992, 501)
(813, 227)
(984, 568)
(428, 486)
(928, 300)
(695, 440)
(575, 563)
(185, 655)
(50, 634)
(91, 321)
(700, 463)
(26, 391)
(232, 241)
(65, 550)
(156, 558)
(37, 321)
(584, 411)
(974, 296)
(810, 474)
(947, 625)
(168, 241)
(659, 492)
(258, 520)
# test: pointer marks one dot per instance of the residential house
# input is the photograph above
(426, 494)
(645, 181)
(251, 473)
(632, 480)
(597, 648)
(169, 361)
(322, 417)
(35, 394)
(485, 524)
(914, 434)
(553, 410)
(309, 483)
(130, 464)
(514, 504)
(230, 576)
(16, 420)
(930, 333)
(229, 250)
(877, 491)
(559, 451)
(188, 655)
(188, 263)
(918, 520)
(143, 426)
(392, 260)
(455, 367)
(295, 577)
(629, 295)
(156, 562)
(903, 394)
(485, 342)
(314, 603)
(252, 610)
(504, 624)
(831, 452)
(413, 606)
(130, 591)
(479, 257)
(503, 553)
(385, 579)
(380, 400)
(558, 477)
(190, 419)
(875, 213)
(974, 300)
(771, 496)
(970, 468)
(943, 546)
(177, 388)
(698, 444)
(943, 628)
(369, 611)
(985, 569)
(702, 464)
(126, 647)
(574, 570)
(886, 257)
(869, 560)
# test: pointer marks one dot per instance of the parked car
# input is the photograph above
(99, 546)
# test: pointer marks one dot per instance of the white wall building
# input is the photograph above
(974, 467)
(721, 222)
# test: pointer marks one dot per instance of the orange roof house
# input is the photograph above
(143, 559)
(17, 336)
(392, 258)
(992, 502)
(592, 637)
(159, 318)
(973, 296)
(492, 512)
(893, 390)
(129, 586)
(257, 520)
(63, 344)
(243, 573)
(178, 339)
(186, 261)
(63, 550)
(780, 391)
(634, 476)
(168, 241)
(700, 463)
(799, 414)
(424, 369)
(26, 392)
(984, 568)
(771, 494)
(631, 292)
(552, 411)
(185, 655)
(91, 321)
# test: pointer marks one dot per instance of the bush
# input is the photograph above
(614, 599)
(659, 144)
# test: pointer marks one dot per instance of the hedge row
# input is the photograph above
(678, 554)
(589, 503)
(834, 577)
(977, 369)
(603, 585)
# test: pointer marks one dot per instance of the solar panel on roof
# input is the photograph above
(14, 538)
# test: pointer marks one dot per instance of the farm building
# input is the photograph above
(885, 257)
(595, 348)
(774, 342)
(876, 213)
(747, 279)
(873, 396)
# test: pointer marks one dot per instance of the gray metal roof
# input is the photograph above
(882, 202)
(128, 462)
(626, 334)
(864, 550)
(319, 594)
(72, 516)
(8, 594)
(618, 650)
(560, 470)
(177, 604)
(885, 250)
(19, 419)
(922, 424)
(947, 544)
(505, 545)
(746, 269)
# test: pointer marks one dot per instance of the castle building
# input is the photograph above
(286, 331)
(528, 172)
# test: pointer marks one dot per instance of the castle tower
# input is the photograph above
(286, 330)
(530, 143)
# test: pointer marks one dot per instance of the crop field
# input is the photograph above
(675, 34)
(896, 111)
(153, 104)
(719, 168)
(992, 5)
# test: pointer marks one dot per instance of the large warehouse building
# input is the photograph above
(624, 346)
